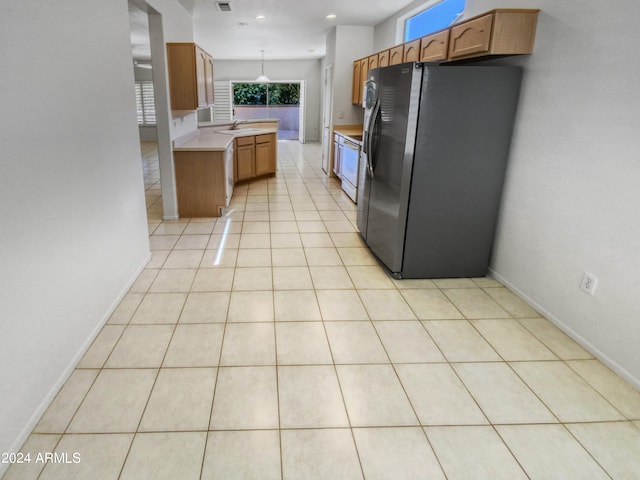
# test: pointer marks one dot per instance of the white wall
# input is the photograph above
(74, 233)
(278, 70)
(168, 22)
(573, 186)
(351, 43)
(177, 26)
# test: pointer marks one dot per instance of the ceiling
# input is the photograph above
(291, 29)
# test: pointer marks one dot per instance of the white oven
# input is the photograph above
(349, 165)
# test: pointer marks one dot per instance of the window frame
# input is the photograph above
(401, 22)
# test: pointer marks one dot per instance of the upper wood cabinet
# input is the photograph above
(373, 61)
(471, 38)
(411, 51)
(396, 55)
(503, 31)
(208, 75)
(355, 85)
(190, 76)
(360, 73)
(364, 74)
(383, 58)
(499, 32)
(434, 47)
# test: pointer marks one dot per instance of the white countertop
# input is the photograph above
(208, 139)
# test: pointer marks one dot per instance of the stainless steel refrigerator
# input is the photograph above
(435, 150)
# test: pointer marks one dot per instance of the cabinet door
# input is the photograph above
(383, 58)
(396, 55)
(201, 77)
(263, 158)
(200, 183)
(471, 38)
(434, 47)
(181, 59)
(364, 74)
(190, 76)
(265, 154)
(355, 87)
(209, 80)
(412, 51)
(245, 161)
(373, 61)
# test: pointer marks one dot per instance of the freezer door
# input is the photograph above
(390, 161)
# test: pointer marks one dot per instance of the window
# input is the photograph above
(436, 16)
(145, 103)
(279, 100)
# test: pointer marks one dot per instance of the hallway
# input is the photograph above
(269, 343)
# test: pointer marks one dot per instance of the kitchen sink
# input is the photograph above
(243, 131)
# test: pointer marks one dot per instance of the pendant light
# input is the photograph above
(262, 78)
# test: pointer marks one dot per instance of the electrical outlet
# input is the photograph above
(589, 283)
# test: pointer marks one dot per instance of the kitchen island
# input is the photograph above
(209, 161)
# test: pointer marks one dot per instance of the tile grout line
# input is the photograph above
(215, 386)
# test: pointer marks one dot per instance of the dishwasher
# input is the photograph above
(349, 166)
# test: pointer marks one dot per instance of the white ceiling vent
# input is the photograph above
(224, 6)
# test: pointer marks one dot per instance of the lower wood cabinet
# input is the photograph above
(255, 155)
(245, 158)
(265, 154)
(204, 182)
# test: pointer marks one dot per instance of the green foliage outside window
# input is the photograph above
(260, 93)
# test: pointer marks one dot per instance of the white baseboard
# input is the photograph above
(594, 350)
(66, 373)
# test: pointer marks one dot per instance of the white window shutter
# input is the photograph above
(145, 103)
(222, 109)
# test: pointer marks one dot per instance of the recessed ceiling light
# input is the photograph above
(331, 16)
(260, 18)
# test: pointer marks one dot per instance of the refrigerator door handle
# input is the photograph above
(370, 137)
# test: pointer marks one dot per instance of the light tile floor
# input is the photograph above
(268, 343)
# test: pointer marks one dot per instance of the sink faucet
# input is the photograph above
(235, 125)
